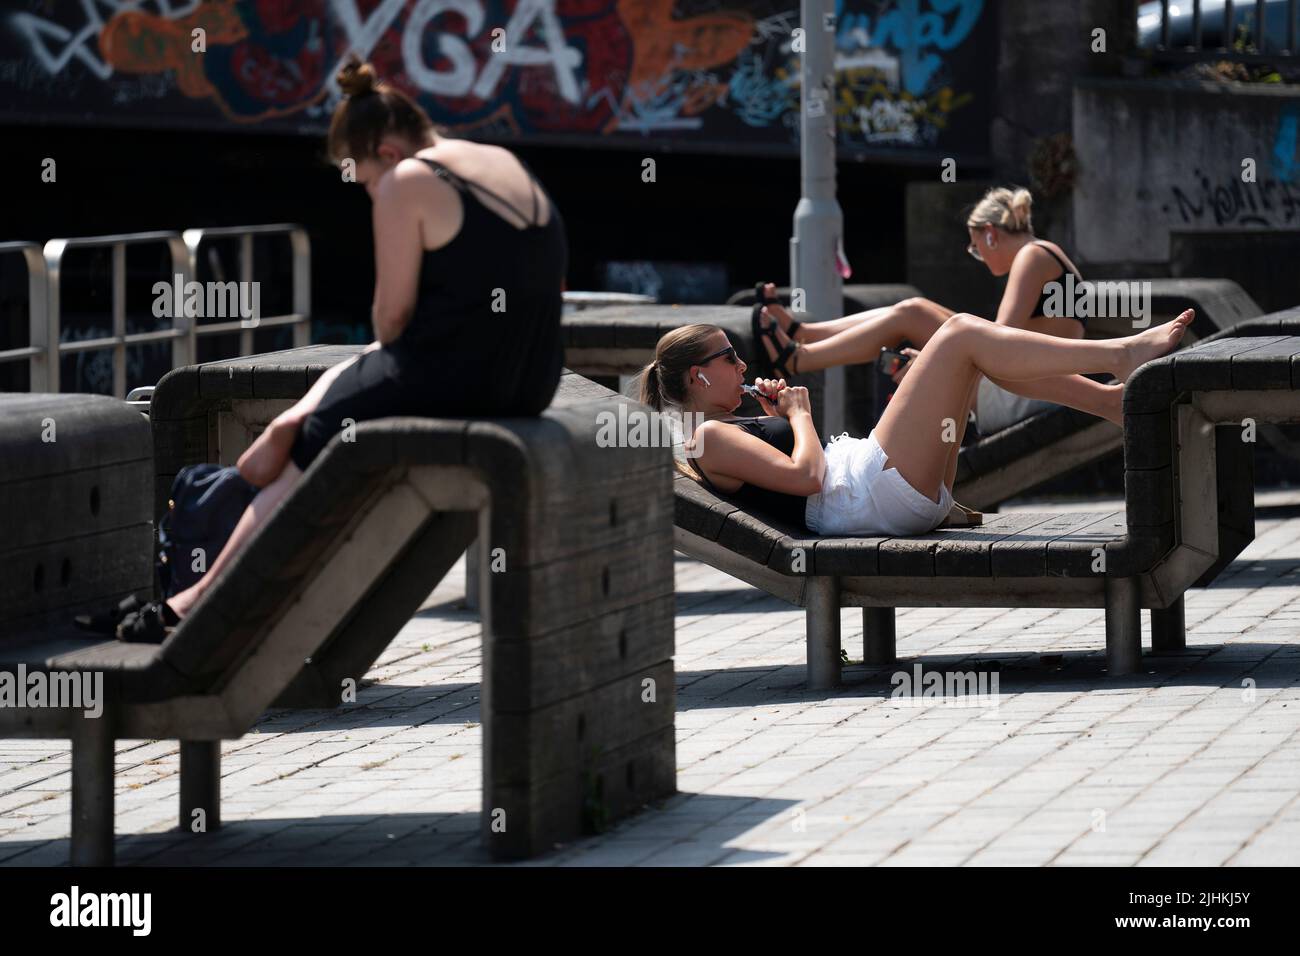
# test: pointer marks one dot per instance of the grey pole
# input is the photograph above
(818, 223)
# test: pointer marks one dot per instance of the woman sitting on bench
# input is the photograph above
(1002, 237)
(470, 258)
(898, 480)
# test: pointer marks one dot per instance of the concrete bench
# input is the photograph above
(620, 340)
(1220, 304)
(577, 621)
(76, 530)
(1189, 510)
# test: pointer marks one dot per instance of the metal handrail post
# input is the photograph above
(300, 247)
(118, 341)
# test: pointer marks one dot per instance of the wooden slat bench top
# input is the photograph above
(1019, 544)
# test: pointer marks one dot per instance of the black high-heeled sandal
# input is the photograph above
(150, 625)
(775, 366)
(760, 301)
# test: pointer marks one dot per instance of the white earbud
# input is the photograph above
(988, 241)
(705, 380)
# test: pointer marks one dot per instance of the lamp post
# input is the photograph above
(815, 264)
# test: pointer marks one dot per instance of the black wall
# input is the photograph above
(702, 208)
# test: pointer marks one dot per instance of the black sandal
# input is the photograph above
(150, 625)
(107, 622)
(775, 366)
(759, 302)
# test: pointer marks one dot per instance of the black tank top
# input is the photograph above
(1043, 295)
(776, 431)
(489, 302)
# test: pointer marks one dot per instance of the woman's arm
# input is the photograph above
(730, 456)
(398, 250)
(1029, 272)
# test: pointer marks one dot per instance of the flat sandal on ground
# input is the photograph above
(106, 621)
(152, 624)
(962, 517)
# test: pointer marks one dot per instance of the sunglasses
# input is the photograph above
(974, 253)
(729, 352)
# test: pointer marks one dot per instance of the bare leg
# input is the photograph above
(254, 517)
(262, 461)
(1104, 401)
(915, 320)
(950, 472)
(938, 387)
(817, 331)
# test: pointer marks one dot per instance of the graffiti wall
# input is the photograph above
(1159, 159)
(915, 76)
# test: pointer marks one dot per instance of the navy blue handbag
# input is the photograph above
(206, 504)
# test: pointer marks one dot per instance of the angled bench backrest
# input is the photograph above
(364, 516)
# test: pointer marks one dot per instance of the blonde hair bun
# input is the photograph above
(356, 78)
(1008, 209)
(1020, 206)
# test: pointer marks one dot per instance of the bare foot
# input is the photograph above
(263, 461)
(1151, 344)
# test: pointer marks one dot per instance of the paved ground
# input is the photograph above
(1194, 761)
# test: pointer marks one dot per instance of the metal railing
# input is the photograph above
(180, 334)
(37, 350)
(45, 268)
(299, 318)
(1250, 31)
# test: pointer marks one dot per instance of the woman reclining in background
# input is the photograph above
(898, 480)
(470, 258)
(1002, 238)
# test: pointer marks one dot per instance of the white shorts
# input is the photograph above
(860, 496)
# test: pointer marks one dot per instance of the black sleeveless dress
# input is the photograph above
(484, 337)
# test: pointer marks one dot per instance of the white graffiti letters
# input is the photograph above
(565, 60)
(457, 80)
(362, 37)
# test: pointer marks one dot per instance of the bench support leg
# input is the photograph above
(879, 640)
(472, 596)
(200, 785)
(1169, 628)
(1123, 626)
(823, 630)
(92, 791)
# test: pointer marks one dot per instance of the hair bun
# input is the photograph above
(1020, 206)
(356, 78)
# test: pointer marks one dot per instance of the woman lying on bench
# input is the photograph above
(898, 480)
(1002, 237)
(470, 257)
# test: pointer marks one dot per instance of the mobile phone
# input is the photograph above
(891, 361)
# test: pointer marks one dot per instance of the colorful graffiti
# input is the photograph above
(719, 73)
